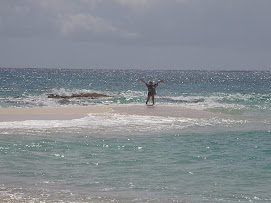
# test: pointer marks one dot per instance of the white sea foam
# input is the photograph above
(42, 100)
(200, 102)
(68, 92)
(111, 122)
(33, 101)
(204, 102)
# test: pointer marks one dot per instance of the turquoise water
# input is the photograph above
(129, 158)
(29, 87)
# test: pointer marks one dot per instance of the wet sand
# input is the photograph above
(164, 111)
(69, 113)
(65, 113)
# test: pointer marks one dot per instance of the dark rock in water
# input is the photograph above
(89, 95)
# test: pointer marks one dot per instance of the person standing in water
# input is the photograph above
(151, 89)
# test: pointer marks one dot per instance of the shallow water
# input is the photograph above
(197, 167)
(132, 157)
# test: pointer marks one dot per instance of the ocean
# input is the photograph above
(207, 139)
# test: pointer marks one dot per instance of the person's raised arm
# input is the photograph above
(160, 81)
(143, 81)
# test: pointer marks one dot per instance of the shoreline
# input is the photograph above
(165, 111)
(48, 113)
(69, 113)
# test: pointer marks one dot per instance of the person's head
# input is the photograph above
(150, 82)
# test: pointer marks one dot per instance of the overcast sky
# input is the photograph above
(145, 34)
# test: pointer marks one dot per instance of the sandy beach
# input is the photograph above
(69, 113)
(65, 113)
(164, 111)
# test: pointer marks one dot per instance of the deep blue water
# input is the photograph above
(129, 158)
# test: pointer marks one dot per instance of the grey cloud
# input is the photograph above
(231, 23)
(57, 19)
(140, 31)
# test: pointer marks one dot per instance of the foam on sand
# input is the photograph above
(118, 119)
